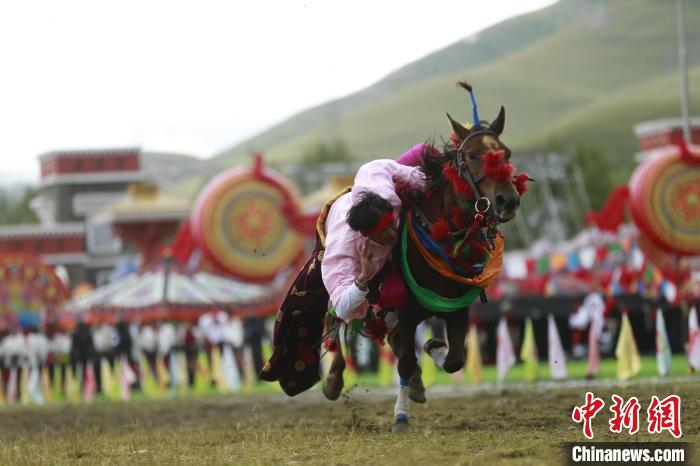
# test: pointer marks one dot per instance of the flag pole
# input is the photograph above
(683, 69)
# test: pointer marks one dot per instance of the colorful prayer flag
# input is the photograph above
(528, 352)
(593, 347)
(663, 348)
(628, 361)
(505, 355)
(474, 355)
(693, 340)
(557, 357)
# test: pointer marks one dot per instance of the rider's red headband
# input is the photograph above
(386, 220)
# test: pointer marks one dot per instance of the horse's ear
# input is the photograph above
(459, 130)
(499, 122)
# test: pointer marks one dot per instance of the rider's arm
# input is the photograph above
(340, 275)
(385, 177)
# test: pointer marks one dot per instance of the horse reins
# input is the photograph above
(482, 203)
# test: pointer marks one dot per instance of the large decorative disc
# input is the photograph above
(665, 202)
(240, 224)
(28, 288)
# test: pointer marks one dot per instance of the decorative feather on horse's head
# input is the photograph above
(478, 166)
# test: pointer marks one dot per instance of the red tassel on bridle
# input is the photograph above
(520, 180)
(496, 166)
(460, 184)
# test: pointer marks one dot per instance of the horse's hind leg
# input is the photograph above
(456, 333)
(333, 382)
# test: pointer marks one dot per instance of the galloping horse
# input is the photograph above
(449, 246)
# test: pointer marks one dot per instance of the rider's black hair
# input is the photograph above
(366, 212)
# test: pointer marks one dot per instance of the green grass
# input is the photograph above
(499, 427)
(384, 378)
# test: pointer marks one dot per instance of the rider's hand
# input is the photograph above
(366, 266)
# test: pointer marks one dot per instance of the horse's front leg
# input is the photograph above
(456, 333)
(408, 321)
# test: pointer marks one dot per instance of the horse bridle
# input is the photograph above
(482, 203)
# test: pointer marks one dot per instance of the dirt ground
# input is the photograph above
(523, 426)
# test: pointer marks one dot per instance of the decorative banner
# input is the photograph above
(543, 264)
(505, 356)
(693, 340)
(663, 348)
(241, 222)
(588, 256)
(89, 384)
(572, 261)
(557, 357)
(528, 352)
(127, 377)
(229, 369)
(593, 346)
(474, 355)
(628, 362)
(557, 262)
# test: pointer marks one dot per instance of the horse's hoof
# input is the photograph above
(333, 385)
(416, 389)
(401, 426)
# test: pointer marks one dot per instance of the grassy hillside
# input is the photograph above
(608, 123)
(489, 45)
(585, 61)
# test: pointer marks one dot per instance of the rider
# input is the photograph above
(361, 231)
(342, 255)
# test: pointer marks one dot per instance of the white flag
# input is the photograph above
(505, 355)
(12, 386)
(557, 358)
(229, 369)
(127, 377)
(693, 340)
(36, 393)
(593, 348)
(663, 349)
(174, 369)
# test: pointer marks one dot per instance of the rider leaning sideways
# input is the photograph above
(357, 232)
(361, 231)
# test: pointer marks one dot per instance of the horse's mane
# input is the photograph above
(431, 165)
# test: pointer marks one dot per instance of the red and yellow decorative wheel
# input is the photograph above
(240, 224)
(665, 202)
(28, 286)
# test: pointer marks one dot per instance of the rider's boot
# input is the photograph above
(333, 382)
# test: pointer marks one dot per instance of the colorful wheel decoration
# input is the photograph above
(240, 223)
(28, 288)
(665, 202)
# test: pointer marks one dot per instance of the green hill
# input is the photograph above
(578, 70)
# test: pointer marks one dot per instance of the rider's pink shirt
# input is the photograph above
(341, 260)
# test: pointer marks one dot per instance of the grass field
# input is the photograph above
(508, 425)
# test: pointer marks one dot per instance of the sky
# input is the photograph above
(196, 77)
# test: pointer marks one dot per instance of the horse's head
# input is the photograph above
(482, 161)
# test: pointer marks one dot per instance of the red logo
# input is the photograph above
(587, 412)
(661, 415)
(625, 415)
(665, 415)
